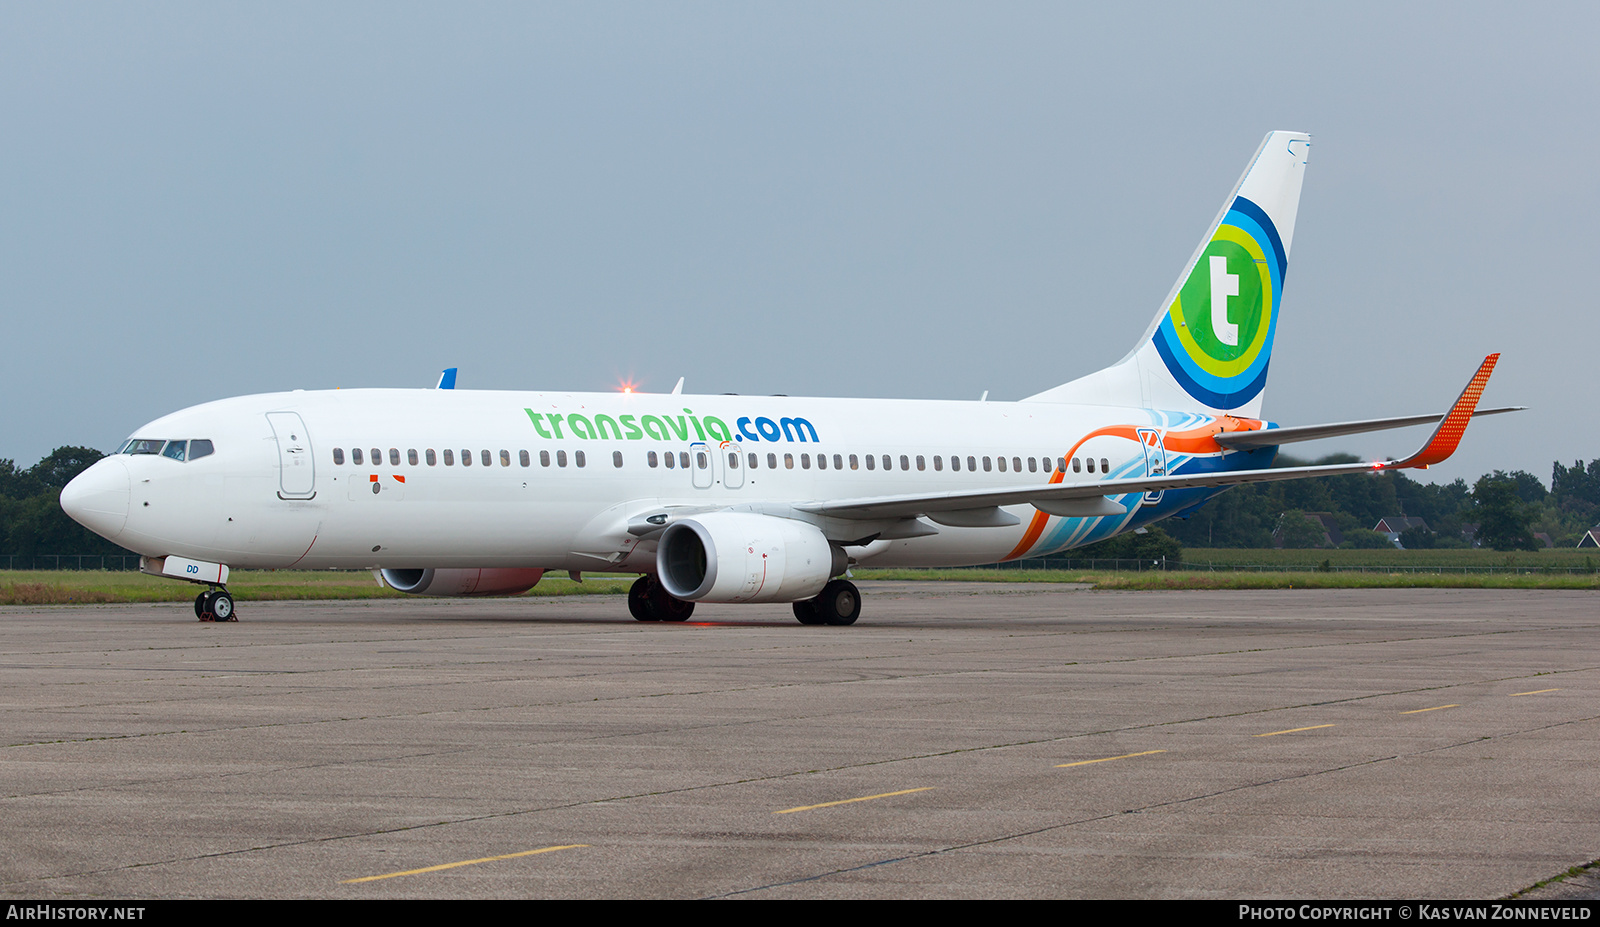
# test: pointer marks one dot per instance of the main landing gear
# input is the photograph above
(838, 603)
(649, 601)
(215, 605)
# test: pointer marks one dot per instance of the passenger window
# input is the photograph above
(1091, 464)
(1105, 465)
(1061, 464)
(805, 461)
(544, 458)
(561, 458)
(922, 463)
(1016, 464)
(683, 459)
(733, 461)
(986, 465)
(449, 458)
(431, 457)
(955, 463)
(855, 462)
(394, 457)
(338, 456)
(522, 458)
(672, 460)
(616, 459)
(772, 461)
(578, 458)
(887, 463)
(938, 463)
(838, 462)
(1077, 465)
(702, 460)
(788, 461)
(411, 456)
(355, 456)
(466, 457)
(754, 461)
(505, 458)
(377, 457)
(822, 461)
(487, 460)
(872, 462)
(652, 460)
(1033, 464)
(1002, 465)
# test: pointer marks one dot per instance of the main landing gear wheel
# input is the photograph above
(639, 600)
(668, 608)
(648, 600)
(806, 612)
(200, 606)
(216, 605)
(839, 603)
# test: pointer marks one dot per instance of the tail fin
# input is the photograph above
(1209, 346)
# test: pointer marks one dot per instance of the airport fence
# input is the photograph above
(1074, 564)
(114, 562)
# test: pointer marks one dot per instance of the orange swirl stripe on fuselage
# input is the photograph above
(1193, 441)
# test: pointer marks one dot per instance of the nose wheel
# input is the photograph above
(216, 605)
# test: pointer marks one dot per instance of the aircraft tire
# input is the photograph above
(221, 606)
(839, 603)
(200, 606)
(668, 608)
(805, 611)
(640, 605)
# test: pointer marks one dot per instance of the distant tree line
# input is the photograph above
(1506, 507)
(31, 520)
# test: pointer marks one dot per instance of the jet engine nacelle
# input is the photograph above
(741, 557)
(462, 582)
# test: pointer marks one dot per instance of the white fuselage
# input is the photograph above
(292, 480)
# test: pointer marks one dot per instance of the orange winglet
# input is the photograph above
(1448, 435)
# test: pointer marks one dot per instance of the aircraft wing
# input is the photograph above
(1244, 440)
(1093, 497)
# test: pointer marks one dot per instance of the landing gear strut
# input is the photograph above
(648, 600)
(839, 603)
(216, 605)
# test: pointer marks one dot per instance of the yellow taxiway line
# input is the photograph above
(848, 801)
(1107, 759)
(1294, 730)
(465, 862)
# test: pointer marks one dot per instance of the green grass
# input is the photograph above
(1277, 579)
(73, 587)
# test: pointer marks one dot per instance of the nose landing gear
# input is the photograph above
(216, 605)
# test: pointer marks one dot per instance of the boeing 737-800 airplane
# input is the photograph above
(728, 499)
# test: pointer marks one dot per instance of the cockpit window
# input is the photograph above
(177, 450)
(143, 446)
(201, 447)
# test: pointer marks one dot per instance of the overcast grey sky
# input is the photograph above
(913, 200)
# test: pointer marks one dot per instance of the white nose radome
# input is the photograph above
(98, 498)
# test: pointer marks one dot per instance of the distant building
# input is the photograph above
(1391, 526)
(1591, 538)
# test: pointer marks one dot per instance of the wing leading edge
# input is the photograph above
(1089, 498)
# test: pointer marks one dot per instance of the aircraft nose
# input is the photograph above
(98, 498)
